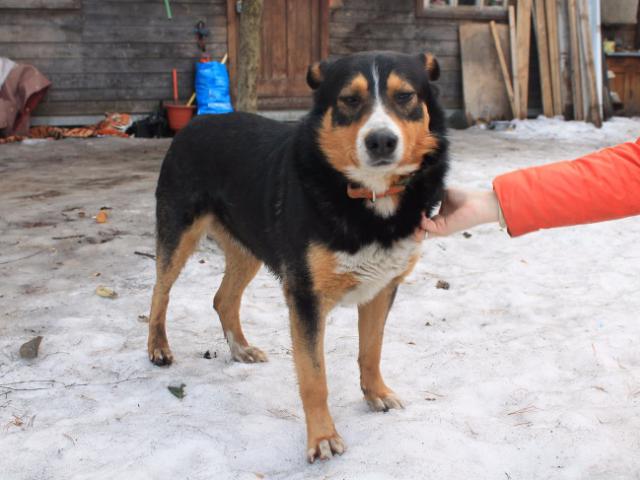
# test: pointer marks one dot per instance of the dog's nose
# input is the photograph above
(381, 144)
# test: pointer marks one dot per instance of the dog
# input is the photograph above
(330, 205)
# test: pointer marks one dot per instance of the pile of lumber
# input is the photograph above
(567, 72)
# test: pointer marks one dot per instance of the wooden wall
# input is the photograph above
(117, 55)
(392, 25)
(109, 55)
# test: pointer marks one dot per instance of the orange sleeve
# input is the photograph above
(600, 186)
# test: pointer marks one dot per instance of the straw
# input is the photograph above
(193, 97)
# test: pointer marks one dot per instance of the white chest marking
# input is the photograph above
(374, 267)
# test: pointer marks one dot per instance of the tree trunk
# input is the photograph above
(249, 55)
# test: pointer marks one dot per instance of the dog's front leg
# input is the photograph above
(371, 320)
(307, 333)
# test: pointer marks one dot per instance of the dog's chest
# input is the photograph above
(374, 267)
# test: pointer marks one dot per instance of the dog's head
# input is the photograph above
(374, 114)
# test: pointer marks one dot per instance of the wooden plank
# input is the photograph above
(523, 34)
(41, 4)
(513, 42)
(151, 10)
(543, 57)
(382, 30)
(483, 89)
(119, 3)
(129, 34)
(135, 33)
(17, 34)
(503, 66)
(113, 66)
(445, 48)
(576, 73)
(595, 115)
(120, 94)
(185, 23)
(554, 55)
(95, 107)
(95, 53)
(349, 14)
(565, 59)
(113, 80)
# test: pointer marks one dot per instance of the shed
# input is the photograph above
(117, 55)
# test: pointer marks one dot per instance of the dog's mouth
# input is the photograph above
(381, 162)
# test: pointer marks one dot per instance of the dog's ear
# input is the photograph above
(430, 65)
(315, 74)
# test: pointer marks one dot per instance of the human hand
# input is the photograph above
(462, 209)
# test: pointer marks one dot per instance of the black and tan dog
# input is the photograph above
(329, 205)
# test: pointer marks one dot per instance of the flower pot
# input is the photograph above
(179, 115)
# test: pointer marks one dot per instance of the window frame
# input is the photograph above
(479, 13)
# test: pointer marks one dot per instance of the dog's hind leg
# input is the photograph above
(241, 266)
(371, 320)
(174, 247)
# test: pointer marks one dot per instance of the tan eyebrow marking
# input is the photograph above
(359, 85)
(395, 84)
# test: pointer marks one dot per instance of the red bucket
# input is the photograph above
(179, 115)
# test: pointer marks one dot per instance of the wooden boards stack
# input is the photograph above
(495, 62)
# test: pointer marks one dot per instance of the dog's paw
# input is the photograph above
(325, 448)
(247, 354)
(383, 402)
(160, 356)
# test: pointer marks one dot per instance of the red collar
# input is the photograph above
(360, 192)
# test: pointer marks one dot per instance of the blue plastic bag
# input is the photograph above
(212, 88)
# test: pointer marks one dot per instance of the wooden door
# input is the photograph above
(626, 82)
(294, 35)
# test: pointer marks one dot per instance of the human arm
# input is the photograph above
(600, 186)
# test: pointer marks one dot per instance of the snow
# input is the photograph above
(528, 367)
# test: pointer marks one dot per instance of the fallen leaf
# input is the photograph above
(105, 292)
(102, 217)
(30, 349)
(177, 392)
(444, 285)
(466, 235)
(143, 318)
(17, 421)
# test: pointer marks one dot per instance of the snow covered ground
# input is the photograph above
(528, 367)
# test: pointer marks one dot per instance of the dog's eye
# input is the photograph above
(350, 100)
(404, 97)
